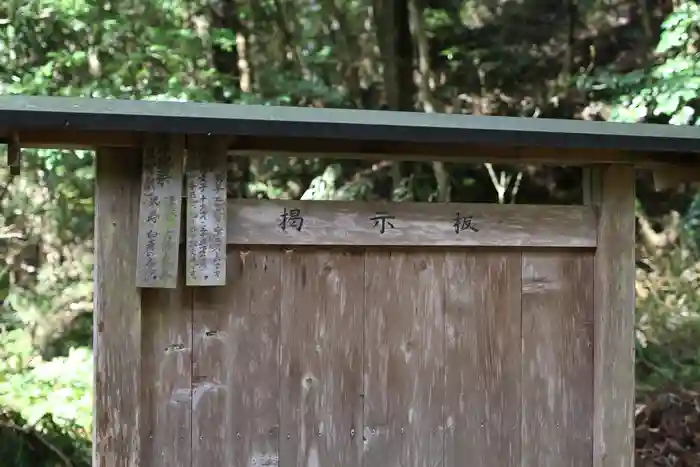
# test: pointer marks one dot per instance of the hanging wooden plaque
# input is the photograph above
(160, 212)
(206, 211)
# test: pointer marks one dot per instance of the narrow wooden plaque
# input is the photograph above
(350, 223)
(160, 212)
(206, 211)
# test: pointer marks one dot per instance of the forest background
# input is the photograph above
(614, 60)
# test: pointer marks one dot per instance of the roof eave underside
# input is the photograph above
(266, 127)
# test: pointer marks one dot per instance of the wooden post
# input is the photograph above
(612, 190)
(14, 154)
(117, 310)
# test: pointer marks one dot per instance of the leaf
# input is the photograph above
(683, 117)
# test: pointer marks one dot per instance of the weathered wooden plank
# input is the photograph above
(253, 359)
(117, 310)
(404, 359)
(166, 381)
(321, 349)
(211, 392)
(236, 365)
(160, 212)
(613, 414)
(66, 138)
(557, 339)
(206, 211)
(483, 364)
(274, 222)
(14, 154)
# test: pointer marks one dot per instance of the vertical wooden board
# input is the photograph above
(166, 383)
(14, 154)
(404, 359)
(236, 365)
(253, 358)
(557, 346)
(160, 212)
(613, 427)
(117, 310)
(483, 363)
(321, 352)
(211, 394)
(206, 211)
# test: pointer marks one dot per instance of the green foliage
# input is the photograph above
(45, 406)
(668, 309)
(104, 49)
(668, 305)
(47, 214)
(670, 87)
(60, 387)
(26, 445)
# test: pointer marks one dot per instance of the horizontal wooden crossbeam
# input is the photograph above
(375, 150)
(338, 223)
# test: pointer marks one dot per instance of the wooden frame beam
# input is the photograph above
(376, 150)
(669, 178)
(339, 223)
(117, 310)
(612, 191)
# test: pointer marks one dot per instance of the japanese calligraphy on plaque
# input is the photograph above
(299, 222)
(462, 223)
(382, 221)
(291, 219)
(206, 211)
(159, 216)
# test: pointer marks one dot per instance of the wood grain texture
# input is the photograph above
(14, 154)
(296, 147)
(117, 310)
(252, 358)
(254, 222)
(557, 347)
(321, 352)
(670, 178)
(166, 376)
(613, 428)
(210, 389)
(236, 365)
(160, 212)
(404, 359)
(482, 322)
(206, 211)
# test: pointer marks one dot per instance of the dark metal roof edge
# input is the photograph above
(93, 114)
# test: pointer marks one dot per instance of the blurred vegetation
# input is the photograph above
(617, 60)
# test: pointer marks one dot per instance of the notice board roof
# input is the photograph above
(91, 122)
